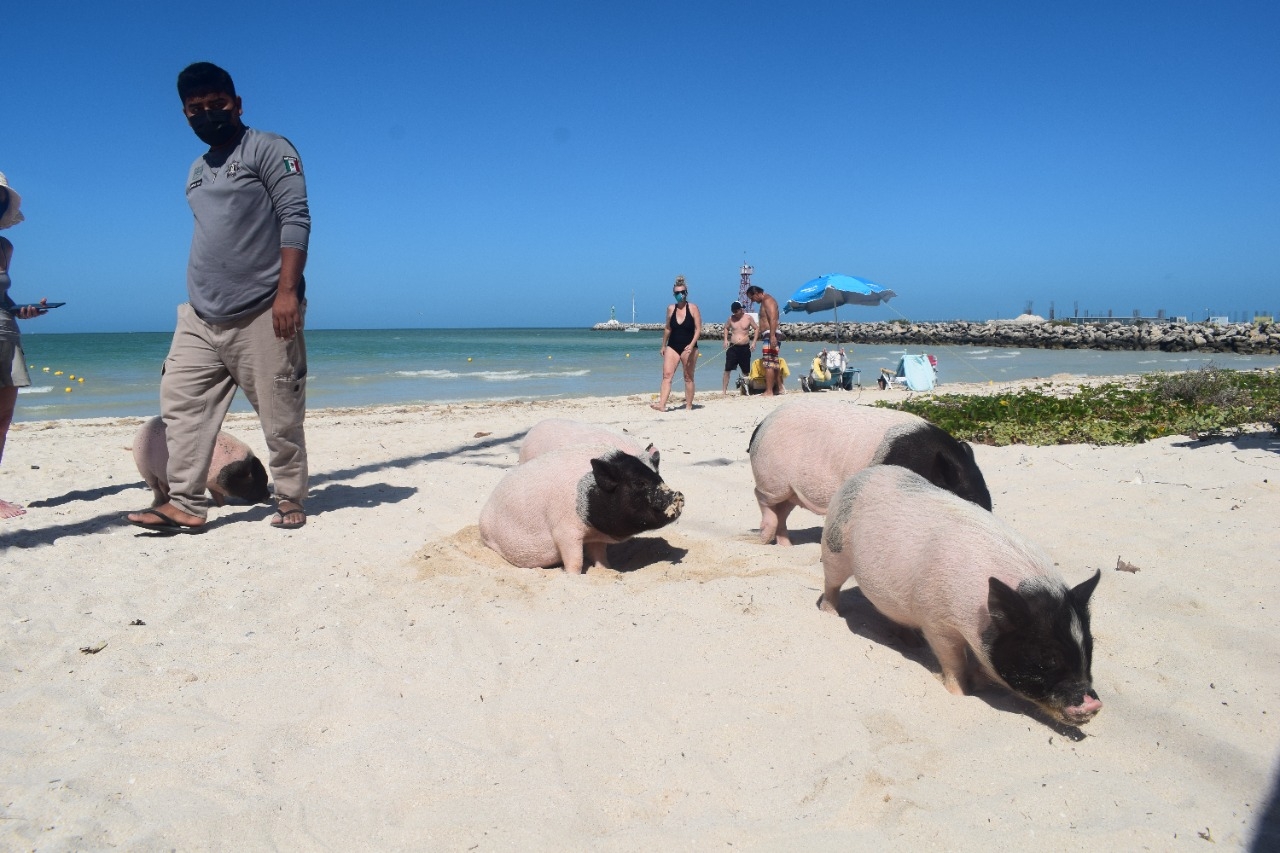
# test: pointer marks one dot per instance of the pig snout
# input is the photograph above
(675, 504)
(1078, 715)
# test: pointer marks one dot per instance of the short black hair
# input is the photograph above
(204, 77)
(755, 288)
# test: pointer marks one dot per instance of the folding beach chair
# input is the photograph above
(915, 373)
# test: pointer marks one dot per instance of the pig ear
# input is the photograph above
(945, 475)
(1007, 608)
(606, 474)
(968, 450)
(654, 456)
(1081, 593)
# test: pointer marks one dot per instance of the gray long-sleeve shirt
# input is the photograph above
(248, 203)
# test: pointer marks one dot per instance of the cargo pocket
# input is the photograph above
(288, 403)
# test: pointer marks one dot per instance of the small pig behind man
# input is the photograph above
(546, 511)
(559, 433)
(805, 449)
(930, 560)
(234, 471)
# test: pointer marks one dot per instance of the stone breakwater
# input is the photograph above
(1243, 338)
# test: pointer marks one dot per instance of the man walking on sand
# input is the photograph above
(739, 342)
(769, 331)
(243, 325)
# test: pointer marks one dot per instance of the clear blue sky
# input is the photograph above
(532, 163)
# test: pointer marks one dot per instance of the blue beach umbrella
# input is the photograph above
(828, 292)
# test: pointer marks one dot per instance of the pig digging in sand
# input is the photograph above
(929, 560)
(233, 472)
(805, 449)
(544, 512)
(559, 433)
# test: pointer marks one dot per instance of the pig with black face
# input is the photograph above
(932, 561)
(546, 511)
(805, 449)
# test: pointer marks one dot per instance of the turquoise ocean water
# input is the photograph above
(121, 372)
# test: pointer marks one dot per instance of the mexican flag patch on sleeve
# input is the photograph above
(292, 166)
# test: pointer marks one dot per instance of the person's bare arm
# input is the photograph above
(286, 311)
(697, 326)
(769, 312)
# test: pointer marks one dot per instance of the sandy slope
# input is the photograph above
(380, 680)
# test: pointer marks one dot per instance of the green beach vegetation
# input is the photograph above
(1198, 404)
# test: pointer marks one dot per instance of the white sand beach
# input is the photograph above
(379, 680)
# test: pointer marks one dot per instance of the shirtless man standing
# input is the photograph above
(769, 327)
(739, 342)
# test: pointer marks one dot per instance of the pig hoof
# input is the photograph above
(828, 607)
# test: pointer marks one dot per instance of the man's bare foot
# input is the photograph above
(288, 515)
(167, 523)
(169, 511)
(767, 394)
(657, 408)
(8, 510)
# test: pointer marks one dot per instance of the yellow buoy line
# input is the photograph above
(71, 377)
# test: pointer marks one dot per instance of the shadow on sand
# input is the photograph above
(642, 552)
(1266, 838)
(334, 496)
(865, 621)
(1269, 441)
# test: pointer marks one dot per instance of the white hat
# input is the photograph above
(12, 214)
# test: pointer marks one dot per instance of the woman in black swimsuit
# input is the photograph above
(680, 344)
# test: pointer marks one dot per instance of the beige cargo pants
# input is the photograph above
(205, 365)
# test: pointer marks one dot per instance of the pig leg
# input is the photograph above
(831, 593)
(781, 512)
(570, 548)
(831, 600)
(952, 653)
(773, 520)
(597, 555)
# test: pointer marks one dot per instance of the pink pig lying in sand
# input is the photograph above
(544, 512)
(804, 450)
(929, 560)
(559, 433)
(234, 470)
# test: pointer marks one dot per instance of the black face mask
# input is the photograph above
(214, 127)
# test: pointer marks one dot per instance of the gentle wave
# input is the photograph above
(495, 375)
(36, 389)
(437, 374)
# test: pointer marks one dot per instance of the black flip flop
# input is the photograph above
(166, 524)
(280, 513)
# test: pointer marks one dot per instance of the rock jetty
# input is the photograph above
(1172, 336)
